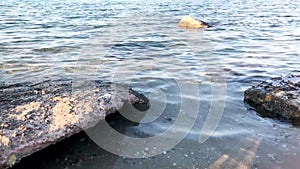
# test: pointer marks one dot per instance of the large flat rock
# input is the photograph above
(34, 116)
(277, 98)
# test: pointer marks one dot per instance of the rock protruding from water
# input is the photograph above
(277, 98)
(190, 22)
(34, 116)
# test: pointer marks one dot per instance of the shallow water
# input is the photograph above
(138, 43)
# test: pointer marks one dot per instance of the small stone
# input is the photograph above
(271, 156)
(169, 119)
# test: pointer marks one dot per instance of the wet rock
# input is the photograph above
(34, 116)
(190, 22)
(277, 98)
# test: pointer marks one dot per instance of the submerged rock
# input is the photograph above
(277, 98)
(34, 116)
(190, 22)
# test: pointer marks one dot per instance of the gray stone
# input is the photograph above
(277, 98)
(34, 116)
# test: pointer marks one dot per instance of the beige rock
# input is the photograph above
(190, 22)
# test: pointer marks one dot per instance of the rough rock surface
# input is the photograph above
(34, 116)
(276, 98)
(190, 22)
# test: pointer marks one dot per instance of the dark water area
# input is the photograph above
(200, 74)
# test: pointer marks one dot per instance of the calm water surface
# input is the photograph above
(138, 43)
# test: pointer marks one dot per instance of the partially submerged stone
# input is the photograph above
(34, 116)
(277, 98)
(190, 22)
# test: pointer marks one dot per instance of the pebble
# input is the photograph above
(271, 156)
